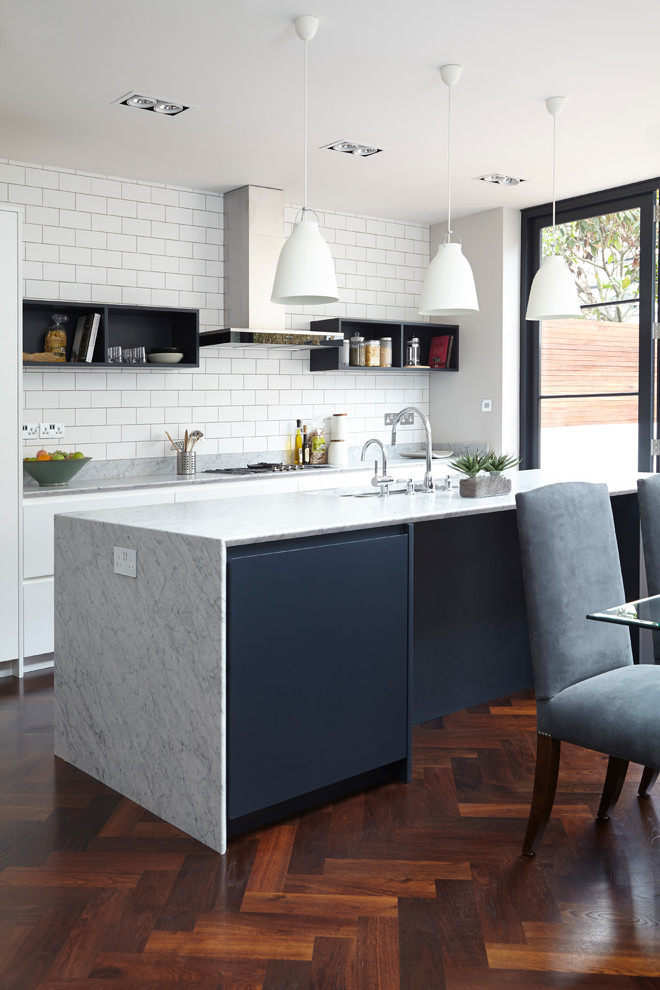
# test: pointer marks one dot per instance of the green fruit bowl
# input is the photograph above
(48, 474)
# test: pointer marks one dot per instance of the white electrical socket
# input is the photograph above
(486, 405)
(125, 561)
(30, 431)
(51, 431)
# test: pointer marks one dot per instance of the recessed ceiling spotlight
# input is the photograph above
(141, 102)
(352, 148)
(170, 108)
(500, 179)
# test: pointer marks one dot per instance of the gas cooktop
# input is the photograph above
(262, 467)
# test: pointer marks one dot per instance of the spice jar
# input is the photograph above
(356, 343)
(372, 353)
(412, 352)
(386, 352)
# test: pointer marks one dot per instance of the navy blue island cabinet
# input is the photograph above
(318, 671)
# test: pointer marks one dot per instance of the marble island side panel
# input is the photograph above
(140, 669)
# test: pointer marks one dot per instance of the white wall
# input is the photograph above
(489, 339)
(109, 240)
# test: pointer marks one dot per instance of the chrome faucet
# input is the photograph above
(428, 477)
(383, 482)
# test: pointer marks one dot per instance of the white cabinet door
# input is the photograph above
(38, 515)
(38, 581)
(38, 616)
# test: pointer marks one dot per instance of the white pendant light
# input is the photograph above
(449, 288)
(553, 295)
(305, 274)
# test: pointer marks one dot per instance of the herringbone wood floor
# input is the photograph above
(418, 886)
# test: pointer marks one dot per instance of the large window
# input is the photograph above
(588, 384)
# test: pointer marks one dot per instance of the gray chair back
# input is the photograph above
(570, 567)
(648, 490)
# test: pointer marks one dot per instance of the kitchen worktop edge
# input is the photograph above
(294, 515)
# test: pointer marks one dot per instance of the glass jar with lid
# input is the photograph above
(355, 346)
(386, 352)
(372, 353)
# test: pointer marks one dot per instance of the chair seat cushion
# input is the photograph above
(617, 713)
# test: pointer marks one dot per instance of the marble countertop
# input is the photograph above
(116, 476)
(93, 485)
(263, 518)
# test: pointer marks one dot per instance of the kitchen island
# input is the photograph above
(262, 655)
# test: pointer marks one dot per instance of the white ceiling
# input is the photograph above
(373, 78)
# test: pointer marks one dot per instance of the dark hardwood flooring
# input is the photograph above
(418, 886)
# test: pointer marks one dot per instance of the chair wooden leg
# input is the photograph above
(616, 774)
(545, 788)
(649, 777)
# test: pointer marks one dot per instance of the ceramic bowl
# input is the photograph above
(48, 474)
(165, 357)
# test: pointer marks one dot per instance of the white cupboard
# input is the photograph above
(11, 368)
(38, 584)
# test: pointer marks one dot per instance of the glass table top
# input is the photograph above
(645, 613)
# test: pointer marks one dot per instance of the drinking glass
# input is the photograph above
(114, 355)
(128, 356)
(139, 355)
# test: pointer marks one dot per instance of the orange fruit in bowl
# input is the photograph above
(43, 455)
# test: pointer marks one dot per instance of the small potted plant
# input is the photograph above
(483, 474)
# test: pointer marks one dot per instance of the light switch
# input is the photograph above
(486, 405)
(125, 561)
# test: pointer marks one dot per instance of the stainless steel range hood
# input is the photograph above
(254, 235)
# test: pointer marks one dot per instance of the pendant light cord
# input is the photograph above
(554, 180)
(449, 167)
(305, 138)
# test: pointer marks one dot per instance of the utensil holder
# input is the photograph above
(185, 462)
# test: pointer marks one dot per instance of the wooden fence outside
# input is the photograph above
(591, 356)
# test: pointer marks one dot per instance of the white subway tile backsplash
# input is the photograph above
(121, 208)
(104, 293)
(151, 245)
(135, 191)
(12, 173)
(151, 211)
(109, 240)
(192, 200)
(182, 283)
(75, 182)
(119, 276)
(151, 280)
(166, 196)
(107, 224)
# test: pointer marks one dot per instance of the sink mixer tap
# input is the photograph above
(383, 482)
(428, 477)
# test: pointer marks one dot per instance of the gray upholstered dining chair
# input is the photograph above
(588, 690)
(648, 490)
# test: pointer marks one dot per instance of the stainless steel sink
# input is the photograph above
(393, 491)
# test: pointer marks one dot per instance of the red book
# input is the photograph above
(438, 354)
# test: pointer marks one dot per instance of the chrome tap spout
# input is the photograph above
(428, 476)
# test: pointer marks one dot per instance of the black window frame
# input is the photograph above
(636, 195)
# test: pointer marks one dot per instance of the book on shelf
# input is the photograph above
(84, 339)
(440, 351)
